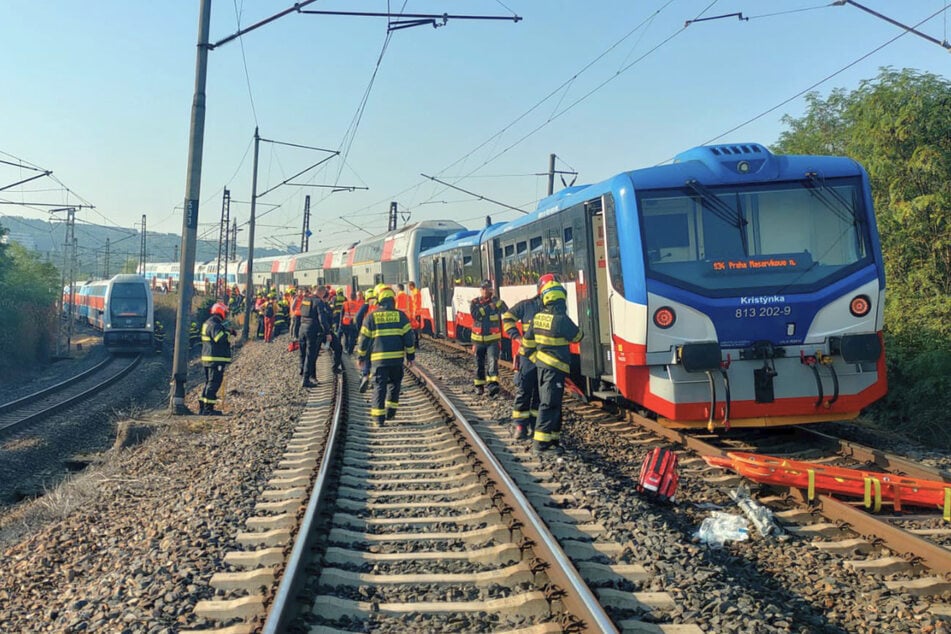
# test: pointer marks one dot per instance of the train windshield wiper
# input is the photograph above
(731, 215)
(833, 200)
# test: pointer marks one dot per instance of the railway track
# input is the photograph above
(418, 526)
(48, 401)
(917, 545)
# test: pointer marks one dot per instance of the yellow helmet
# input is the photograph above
(552, 292)
(385, 293)
(370, 294)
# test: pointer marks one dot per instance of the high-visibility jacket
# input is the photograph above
(215, 347)
(416, 304)
(350, 308)
(550, 333)
(523, 312)
(403, 302)
(486, 319)
(337, 301)
(386, 337)
(295, 305)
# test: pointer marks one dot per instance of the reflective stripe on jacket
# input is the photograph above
(487, 319)
(386, 337)
(522, 312)
(215, 347)
(550, 333)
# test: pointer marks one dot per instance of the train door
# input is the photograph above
(591, 284)
(438, 293)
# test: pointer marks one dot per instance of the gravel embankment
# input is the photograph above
(129, 545)
(763, 585)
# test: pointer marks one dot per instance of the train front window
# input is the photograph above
(773, 238)
(128, 300)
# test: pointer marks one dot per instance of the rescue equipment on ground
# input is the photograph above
(873, 487)
(658, 476)
(294, 345)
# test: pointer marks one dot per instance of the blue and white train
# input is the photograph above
(732, 287)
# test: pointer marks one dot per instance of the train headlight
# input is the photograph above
(743, 167)
(860, 305)
(664, 317)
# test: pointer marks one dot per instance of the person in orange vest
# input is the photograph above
(296, 299)
(403, 301)
(347, 329)
(416, 310)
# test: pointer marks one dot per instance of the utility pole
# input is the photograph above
(66, 277)
(551, 174)
(223, 234)
(190, 215)
(305, 230)
(391, 225)
(105, 261)
(142, 247)
(234, 243)
(175, 257)
(249, 290)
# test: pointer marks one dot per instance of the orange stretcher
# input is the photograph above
(871, 486)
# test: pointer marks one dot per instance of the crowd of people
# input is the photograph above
(382, 327)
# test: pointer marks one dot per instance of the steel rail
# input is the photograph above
(578, 599)
(73, 399)
(36, 396)
(897, 539)
(280, 616)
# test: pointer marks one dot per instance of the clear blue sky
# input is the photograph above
(100, 92)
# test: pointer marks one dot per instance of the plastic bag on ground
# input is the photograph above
(721, 527)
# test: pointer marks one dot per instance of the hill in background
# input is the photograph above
(46, 240)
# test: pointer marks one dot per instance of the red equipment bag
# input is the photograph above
(658, 476)
(292, 346)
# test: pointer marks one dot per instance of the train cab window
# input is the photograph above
(613, 245)
(128, 300)
(792, 236)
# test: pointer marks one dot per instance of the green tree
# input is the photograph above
(898, 126)
(28, 291)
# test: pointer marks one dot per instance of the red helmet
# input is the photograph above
(545, 279)
(219, 309)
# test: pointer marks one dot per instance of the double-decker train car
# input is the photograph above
(733, 287)
(120, 307)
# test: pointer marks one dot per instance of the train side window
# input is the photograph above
(553, 262)
(508, 264)
(613, 244)
(569, 271)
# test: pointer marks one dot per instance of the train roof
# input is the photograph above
(467, 238)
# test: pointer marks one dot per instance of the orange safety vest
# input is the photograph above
(416, 304)
(350, 308)
(295, 305)
(403, 303)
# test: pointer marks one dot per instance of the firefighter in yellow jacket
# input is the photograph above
(486, 311)
(386, 338)
(215, 355)
(550, 334)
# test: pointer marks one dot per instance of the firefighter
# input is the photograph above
(362, 312)
(282, 312)
(551, 332)
(486, 313)
(259, 303)
(525, 404)
(385, 339)
(335, 302)
(314, 329)
(215, 355)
